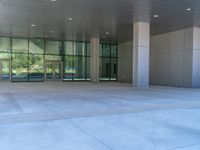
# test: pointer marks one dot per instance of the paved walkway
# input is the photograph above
(105, 116)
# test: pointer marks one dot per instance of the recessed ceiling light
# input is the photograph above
(70, 18)
(189, 9)
(155, 16)
(107, 33)
(32, 25)
(52, 31)
(52, 0)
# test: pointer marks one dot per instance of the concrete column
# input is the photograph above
(141, 40)
(196, 58)
(94, 59)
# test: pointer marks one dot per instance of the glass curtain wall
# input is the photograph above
(38, 59)
(76, 61)
(108, 62)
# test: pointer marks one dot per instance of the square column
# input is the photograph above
(196, 58)
(141, 42)
(94, 59)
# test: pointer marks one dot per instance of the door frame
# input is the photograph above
(53, 62)
(10, 69)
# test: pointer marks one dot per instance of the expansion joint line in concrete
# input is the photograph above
(98, 140)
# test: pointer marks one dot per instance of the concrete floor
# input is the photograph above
(105, 116)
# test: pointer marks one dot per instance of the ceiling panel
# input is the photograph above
(96, 16)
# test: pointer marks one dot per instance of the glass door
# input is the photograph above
(57, 70)
(49, 71)
(5, 74)
(54, 70)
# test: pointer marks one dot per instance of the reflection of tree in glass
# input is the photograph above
(20, 63)
(36, 63)
(69, 65)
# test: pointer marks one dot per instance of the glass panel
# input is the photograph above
(36, 60)
(20, 45)
(79, 67)
(108, 62)
(88, 68)
(114, 69)
(68, 48)
(53, 47)
(114, 51)
(88, 49)
(20, 67)
(105, 50)
(100, 50)
(36, 46)
(57, 70)
(5, 70)
(68, 67)
(53, 57)
(80, 49)
(49, 71)
(20, 60)
(36, 67)
(5, 55)
(105, 68)
(4, 44)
